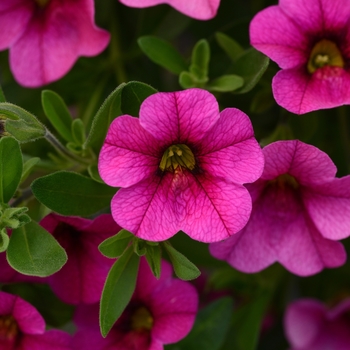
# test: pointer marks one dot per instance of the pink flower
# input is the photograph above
(181, 165)
(309, 325)
(310, 41)
(198, 9)
(160, 312)
(22, 327)
(82, 278)
(45, 37)
(299, 208)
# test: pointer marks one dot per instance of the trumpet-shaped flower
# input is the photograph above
(198, 9)
(160, 312)
(181, 166)
(310, 41)
(310, 325)
(45, 37)
(299, 209)
(22, 327)
(82, 278)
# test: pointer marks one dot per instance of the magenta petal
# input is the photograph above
(14, 17)
(53, 340)
(199, 9)
(129, 153)
(317, 15)
(299, 92)
(305, 162)
(215, 209)
(179, 117)
(303, 321)
(28, 318)
(229, 149)
(277, 36)
(329, 207)
(147, 208)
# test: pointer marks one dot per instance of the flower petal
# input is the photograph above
(147, 208)
(129, 153)
(305, 162)
(53, 339)
(14, 17)
(329, 207)
(179, 117)
(303, 321)
(317, 16)
(199, 9)
(277, 36)
(299, 92)
(229, 150)
(215, 209)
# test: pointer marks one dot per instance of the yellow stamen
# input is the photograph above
(141, 319)
(175, 156)
(42, 3)
(8, 327)
(325, 53)
(285, 180)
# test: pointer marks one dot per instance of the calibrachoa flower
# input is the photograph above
(82, 278)
(310, 325)
(22, 327)
(160, 312)
(198, 9)
(310, 41)
(45, 37)
(181, 165)
(299, 208)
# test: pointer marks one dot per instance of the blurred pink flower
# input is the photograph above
(82, 278)
(160, 312)
(22, 327)
(299, 208)
(310, 41)
(198, 9)
(181, 166)
(309, 325)
(45, 37)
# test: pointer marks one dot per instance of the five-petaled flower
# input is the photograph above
(310, 41)
(198, 9)
(160, 312)
(22, 327)
(45, 37)
(181, 166)
(299, 209)
(310, 325)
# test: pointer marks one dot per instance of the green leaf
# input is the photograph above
(183, 268)
(2, 96)
(118, 289)
(114, 246)
(226, 83)
(4, 240)
(246, 323)
(11, 165)
(110, 109)
(20, 124)
(187, 80)
(14, 217)
(200, 60)
(69, 193)
(250, 66)
(154, 259)
(78, 132)
(134, 93)
(34, 251)
(210, 329)
(163, 53)
(28, 166)
(58, 113)
(230, 46)
(94, 174)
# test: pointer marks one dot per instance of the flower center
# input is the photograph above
(284, 181)
(8, 327)
(42, 3)
(325, 53)
(175, 156)
(141, 319)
